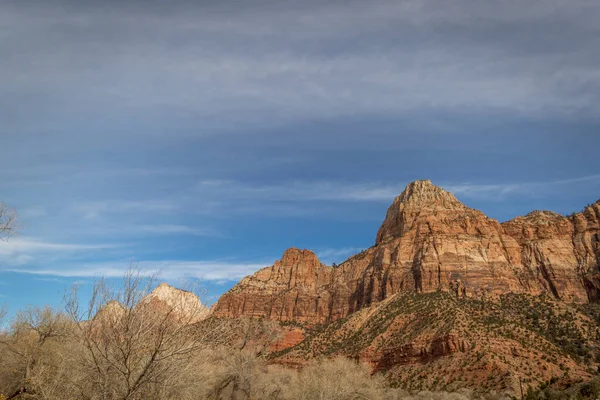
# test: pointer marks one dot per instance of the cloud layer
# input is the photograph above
(228, 65)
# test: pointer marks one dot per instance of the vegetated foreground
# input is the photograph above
(448, 303)
(135, 344)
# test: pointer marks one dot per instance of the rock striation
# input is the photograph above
(295, 288)
(429, 241)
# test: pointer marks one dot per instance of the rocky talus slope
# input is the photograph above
(429, 242)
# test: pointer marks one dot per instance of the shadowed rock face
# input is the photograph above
(430, 241)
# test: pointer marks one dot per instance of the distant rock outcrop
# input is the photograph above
(180, 303)
(112, 311)
(428, 242)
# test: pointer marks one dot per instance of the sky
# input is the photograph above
(200, 139)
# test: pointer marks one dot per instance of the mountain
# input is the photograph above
(184, 304)
(446, 297)
(429, 242)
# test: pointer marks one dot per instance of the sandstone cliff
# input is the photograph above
(295, 288)
(430, 241)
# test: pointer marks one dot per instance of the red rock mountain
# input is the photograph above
(429, 242)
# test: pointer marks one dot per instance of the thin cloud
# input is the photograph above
(25, 250)
(217, 271)
(45, 279)
(169, 229)
(36, 245)
(133, 230)
(96, 209)
(297, 191)
(321, 191)
(337, 254)
(525, 188)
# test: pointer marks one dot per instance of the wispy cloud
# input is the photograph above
(298, 191)
(24, 250)
(169, 229)
(32, 244)
(95, 209)
(176, 269)
(499, 191)
(46, 279)
(133, 230)
(226, 192)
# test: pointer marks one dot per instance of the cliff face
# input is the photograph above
(430, 241)
(295, 288)
(560, 254)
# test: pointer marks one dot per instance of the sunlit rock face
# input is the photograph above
(295, 288)
(430, 241)
(180, 303)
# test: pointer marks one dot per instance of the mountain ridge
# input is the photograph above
(430, 241)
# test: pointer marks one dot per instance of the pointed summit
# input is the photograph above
(423, 193)
(111, 311)
(293, 255)
(170, 299)
(419, 200)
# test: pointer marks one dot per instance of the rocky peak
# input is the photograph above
(290, 289)
(293, 256)
(429, 242)
(171, 299)
(424, 194)
(296, 267)
(165, 291)
(419, 200)
(538, 225)
(541, 216)
(111, 310)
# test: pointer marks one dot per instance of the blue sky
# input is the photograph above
(202, 139)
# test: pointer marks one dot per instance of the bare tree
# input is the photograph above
(9, 222)
(134, 348)
(255, 335)
(339, 378)
(242, 375)
(30, 339)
